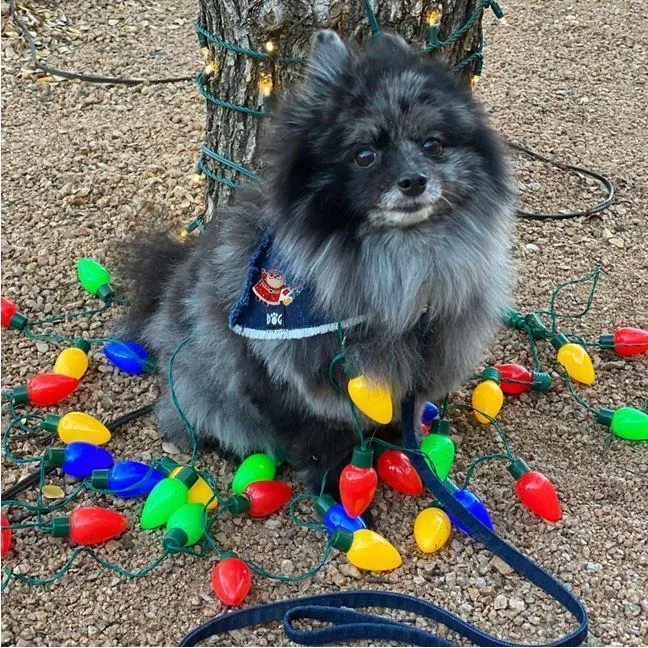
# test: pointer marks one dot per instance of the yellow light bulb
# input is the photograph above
(577, 363)
(371, 399)
(269, 47)
(474, 80)
(433, 17)
(210, 69)
(77, 426)
(265, 85)
(72, 362)
(200, 492)
(432, 529)
(372, 552)
(487, 397)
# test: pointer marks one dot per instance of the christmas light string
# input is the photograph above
(205, 37)
(33, 423)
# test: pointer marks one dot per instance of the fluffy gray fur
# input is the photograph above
(363, 246)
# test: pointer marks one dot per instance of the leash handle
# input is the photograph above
(340, 609)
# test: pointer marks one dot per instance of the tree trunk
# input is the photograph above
(284, 28)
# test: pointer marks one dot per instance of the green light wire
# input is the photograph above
(592, 276)
(480, 460)
(30, 580)
(174, 399)
(57, 319)
(496, 424)
(574, 394)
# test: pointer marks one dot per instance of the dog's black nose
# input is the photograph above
(412, 184)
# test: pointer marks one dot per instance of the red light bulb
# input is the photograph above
(89, 525)
(535, 491)
(11, 318)
(8, 309)
(231, 580)
(396, 470)
(358, 482)
(626, 341)
(260, 499)
(6, 535)
(514, 372)
(45, 389)
(515, 379)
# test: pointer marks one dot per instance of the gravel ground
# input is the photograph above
(85, 166)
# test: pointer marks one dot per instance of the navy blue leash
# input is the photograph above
(346, 623)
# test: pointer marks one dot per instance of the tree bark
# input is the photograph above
(289, 26)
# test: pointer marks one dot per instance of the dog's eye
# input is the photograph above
(365, 157)
(432, 146)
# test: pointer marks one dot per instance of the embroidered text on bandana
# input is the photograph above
(275, 306)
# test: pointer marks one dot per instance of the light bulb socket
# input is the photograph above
(517, 468)
(606, 341)
(342, 540)
(513, 319)
(558, 340)
(19, 395)
(60, 527)
(82, 344)
(99, 478)
(604, 416)
(362, 457)
(175, 539)
(492, 373)
(166, 465)
(54, 457)
(534, 323)
(322, 504)
(105, 293)
(440, 426)
(51, 422)
(239, 503)
(18, 321)
(541, 381)
(228, 554)
(188, 476)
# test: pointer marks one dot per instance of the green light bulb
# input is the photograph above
(166, 497)
(439, 451)
(185, 526)
(256, 467)
(94, 278)
(627, 422)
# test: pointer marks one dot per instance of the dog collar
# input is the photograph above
(275, 305)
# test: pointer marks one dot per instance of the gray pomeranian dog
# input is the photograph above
(383, 221)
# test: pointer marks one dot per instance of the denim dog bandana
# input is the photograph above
(275, 305)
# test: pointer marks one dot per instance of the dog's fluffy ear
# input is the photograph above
(329, 58)
(392, 41)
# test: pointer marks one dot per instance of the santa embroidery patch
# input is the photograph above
(275, 305)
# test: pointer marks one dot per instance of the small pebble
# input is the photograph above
(500, 602)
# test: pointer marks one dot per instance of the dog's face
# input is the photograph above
(380, 140)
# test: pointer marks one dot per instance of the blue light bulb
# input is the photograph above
(335, 517)
(78, 459)
(473, 505)
(429, 413)
(127, 356)
(127, 479)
